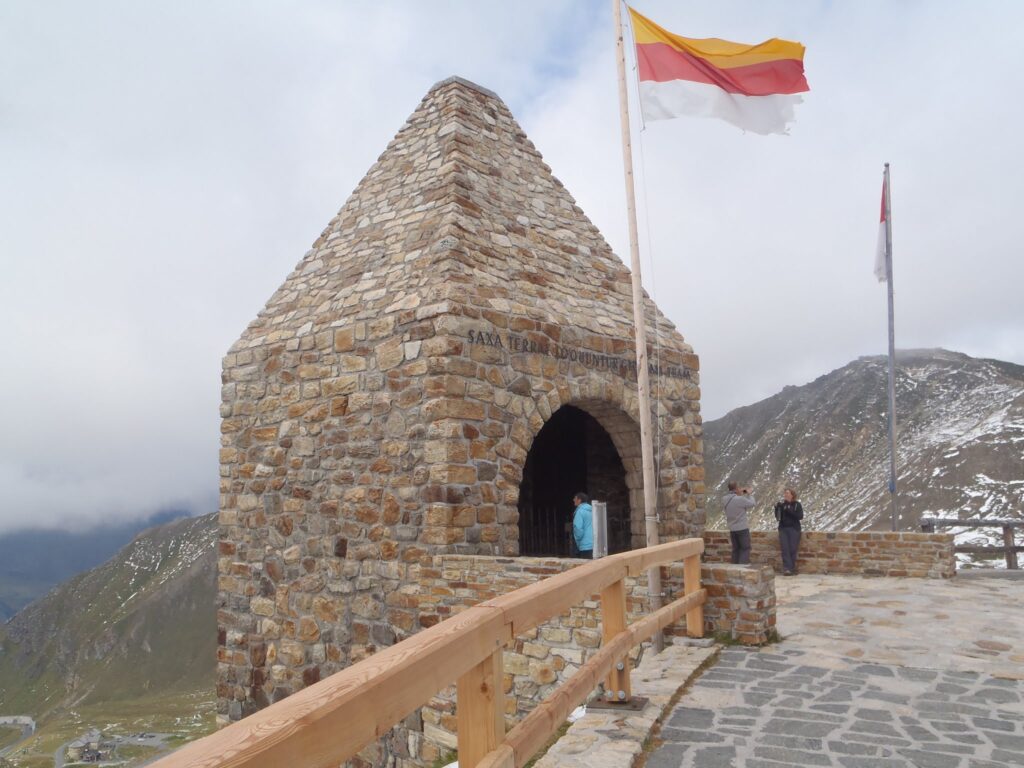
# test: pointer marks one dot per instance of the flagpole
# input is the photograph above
(642, 374)
(892, 351)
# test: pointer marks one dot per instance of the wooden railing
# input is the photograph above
(329, 722)
(1009, 549)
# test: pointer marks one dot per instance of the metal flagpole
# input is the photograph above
(642, 374)
(892, 352)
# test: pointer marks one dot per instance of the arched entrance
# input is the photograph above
(572, 452)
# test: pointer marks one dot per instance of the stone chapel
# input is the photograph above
(447, 365)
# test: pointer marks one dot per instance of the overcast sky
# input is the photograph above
(164, 165)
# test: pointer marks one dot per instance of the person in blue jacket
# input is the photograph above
(583, 525)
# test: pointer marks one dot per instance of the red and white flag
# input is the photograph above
(880, 256)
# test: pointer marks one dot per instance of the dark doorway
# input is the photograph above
(571, 453)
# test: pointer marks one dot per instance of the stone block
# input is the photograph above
(587, 638)
(555, 635)
(536, 650)
(542, 674)
(390, 354)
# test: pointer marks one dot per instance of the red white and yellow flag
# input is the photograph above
(754, 87)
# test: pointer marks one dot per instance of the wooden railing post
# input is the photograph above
(613, 622)
(480, 710)
(691, 583)
(1011, 551)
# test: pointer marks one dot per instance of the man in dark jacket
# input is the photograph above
(735, 505)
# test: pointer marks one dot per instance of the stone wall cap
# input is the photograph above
(464, 82)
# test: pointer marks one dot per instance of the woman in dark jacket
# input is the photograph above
(789, 513)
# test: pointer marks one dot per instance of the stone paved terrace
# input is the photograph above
(871, 673)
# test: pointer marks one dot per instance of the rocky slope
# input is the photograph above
(960, 444)
(33, 561)
(143, 623)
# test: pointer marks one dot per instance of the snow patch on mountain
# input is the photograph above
(960, 445)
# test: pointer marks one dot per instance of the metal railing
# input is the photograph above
(1009, 549)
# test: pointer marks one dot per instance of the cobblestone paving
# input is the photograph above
(872, 672)
(767, 709)
(965, 624)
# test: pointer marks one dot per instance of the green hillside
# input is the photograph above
(35, 560)
(143, 624)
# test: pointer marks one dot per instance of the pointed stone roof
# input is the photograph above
(459, 215)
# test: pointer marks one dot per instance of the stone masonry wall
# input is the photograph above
(862, 553)
(741, 602)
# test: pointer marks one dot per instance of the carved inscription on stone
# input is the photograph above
(621, 365)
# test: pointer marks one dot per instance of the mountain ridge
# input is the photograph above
(34, 560)
(960, 443)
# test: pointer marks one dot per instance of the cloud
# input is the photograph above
(165, 166)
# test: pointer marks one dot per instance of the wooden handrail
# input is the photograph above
(1008, 549)
(547, 717)
(330, 721)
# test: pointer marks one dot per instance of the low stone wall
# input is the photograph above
(741, 601)
(858, 553)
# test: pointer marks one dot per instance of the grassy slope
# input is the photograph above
(141, 625)
(9, 735)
